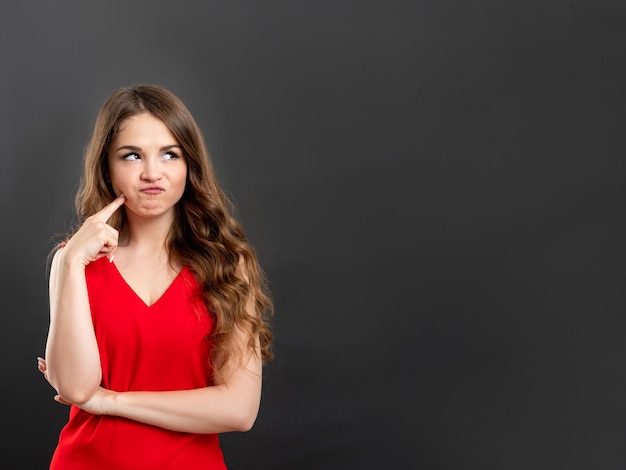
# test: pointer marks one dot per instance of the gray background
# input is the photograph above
(435, 189)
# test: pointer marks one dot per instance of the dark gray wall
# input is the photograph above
(435, 189)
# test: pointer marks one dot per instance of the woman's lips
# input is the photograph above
(152, 190)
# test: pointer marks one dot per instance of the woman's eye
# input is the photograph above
(170, 155)
(131, 156)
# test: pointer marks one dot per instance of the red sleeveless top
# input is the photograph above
(159, 347)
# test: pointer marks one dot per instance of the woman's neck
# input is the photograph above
(146, 233)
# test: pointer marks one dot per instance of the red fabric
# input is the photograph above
(158, 347)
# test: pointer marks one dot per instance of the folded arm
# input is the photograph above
(230, 405)
(72, 366)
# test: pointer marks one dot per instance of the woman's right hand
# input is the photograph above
(95, 238)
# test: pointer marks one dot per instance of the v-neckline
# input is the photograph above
(137, 296)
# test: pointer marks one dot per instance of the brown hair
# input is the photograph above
(205, 236)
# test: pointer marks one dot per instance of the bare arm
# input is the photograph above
(231, 405)
(73, 360)
(72, 356)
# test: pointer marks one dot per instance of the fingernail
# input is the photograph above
(111, 258)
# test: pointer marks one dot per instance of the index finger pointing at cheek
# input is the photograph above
(107, 211)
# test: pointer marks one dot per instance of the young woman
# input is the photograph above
(159, 310)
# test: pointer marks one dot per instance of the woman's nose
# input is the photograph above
(151, 170)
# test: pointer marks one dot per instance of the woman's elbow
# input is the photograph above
(245, 422)
(244, 416)
(74, 391)
(76, 395)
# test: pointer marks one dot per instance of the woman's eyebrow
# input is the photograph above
(128, 147)
(137, 149)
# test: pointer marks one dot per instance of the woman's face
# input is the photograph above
(147, 165)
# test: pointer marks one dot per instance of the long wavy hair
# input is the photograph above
(204, 236)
